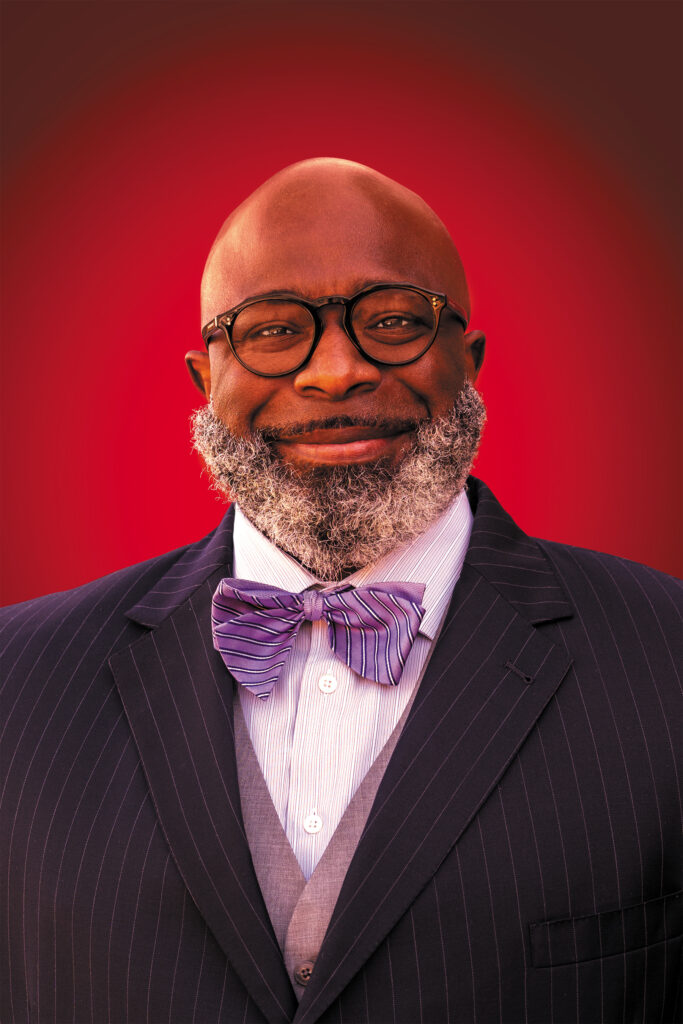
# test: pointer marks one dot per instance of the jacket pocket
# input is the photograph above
(574, 939)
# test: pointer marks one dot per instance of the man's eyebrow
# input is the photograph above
(318, 292)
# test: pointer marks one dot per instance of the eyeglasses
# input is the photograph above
(390, 324)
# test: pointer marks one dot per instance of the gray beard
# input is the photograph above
(336, 519)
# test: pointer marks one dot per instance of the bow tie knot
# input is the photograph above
(371, 628)
(314, 605)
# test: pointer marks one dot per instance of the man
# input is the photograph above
(367, 752)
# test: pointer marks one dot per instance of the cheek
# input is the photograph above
(238, 402)
(236, 394)
(437, 378)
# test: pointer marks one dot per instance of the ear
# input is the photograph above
(475, 343)
(199, 368)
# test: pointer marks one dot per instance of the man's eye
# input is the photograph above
(272, 331)
(392, 322)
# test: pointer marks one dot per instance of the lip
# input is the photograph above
(343, 445)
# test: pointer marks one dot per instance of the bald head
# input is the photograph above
(329, 227)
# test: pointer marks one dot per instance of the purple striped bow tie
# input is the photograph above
(370, 628)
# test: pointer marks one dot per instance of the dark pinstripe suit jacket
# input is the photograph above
(521, 862)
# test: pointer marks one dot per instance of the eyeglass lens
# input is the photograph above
(392, 325)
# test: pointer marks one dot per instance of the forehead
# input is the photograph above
(320, 245)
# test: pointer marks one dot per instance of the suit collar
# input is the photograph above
(512, 562)
(209, 556)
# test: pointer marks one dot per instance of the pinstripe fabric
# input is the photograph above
(528, 819)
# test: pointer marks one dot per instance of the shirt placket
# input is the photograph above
(316, 763)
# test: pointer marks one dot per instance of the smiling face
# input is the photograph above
(331, 228)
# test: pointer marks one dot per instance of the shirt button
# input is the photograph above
(303, 972)
(313, 823)
(328, 684)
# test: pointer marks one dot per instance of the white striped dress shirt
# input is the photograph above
(323, 725)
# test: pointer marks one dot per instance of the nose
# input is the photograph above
(336, 369)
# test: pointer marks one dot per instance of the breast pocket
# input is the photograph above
(574, 939)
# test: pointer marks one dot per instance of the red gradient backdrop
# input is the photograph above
(547, 137)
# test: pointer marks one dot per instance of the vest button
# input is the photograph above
(303, 972)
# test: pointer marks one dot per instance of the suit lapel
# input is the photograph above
(490, 677)
(177, 695)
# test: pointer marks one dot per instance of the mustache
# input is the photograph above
(391, 426)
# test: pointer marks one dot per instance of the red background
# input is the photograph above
(546, 135)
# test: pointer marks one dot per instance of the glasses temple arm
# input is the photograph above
(459, 312)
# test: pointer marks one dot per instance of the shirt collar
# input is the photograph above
(435, 558)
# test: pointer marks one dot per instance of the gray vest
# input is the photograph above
(300, 911)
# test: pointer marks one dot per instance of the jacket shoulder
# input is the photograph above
(590, 560)
(616, 584)
(103, 600)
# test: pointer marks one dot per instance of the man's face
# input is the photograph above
(313, 252)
